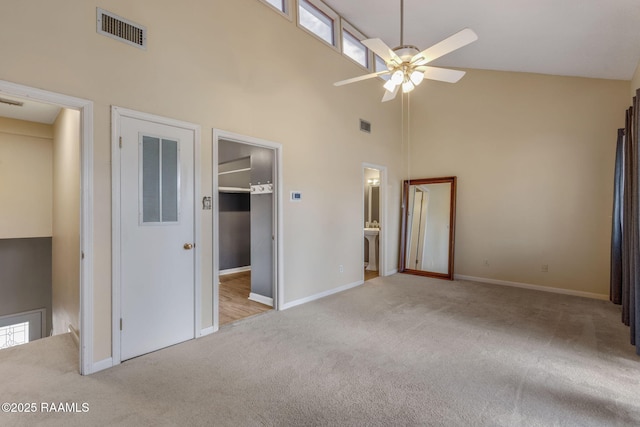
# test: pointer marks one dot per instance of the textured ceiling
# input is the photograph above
(588, 38)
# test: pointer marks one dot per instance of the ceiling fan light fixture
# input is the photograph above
(397, 77)
(408, 86)
(390, 85)
(416, 77)
(407, 67)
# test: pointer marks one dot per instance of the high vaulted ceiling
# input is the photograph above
(588, 38)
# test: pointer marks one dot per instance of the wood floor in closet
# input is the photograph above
(234, 298)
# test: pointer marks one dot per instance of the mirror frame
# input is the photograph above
(402, 268)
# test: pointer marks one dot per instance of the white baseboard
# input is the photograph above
(320, 295)
(101, 365)
(391, 272)
(74, 334)
(533, 287)
(207, 331)
(261, 299)
(234, 270)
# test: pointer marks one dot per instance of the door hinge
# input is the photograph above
(82, 255)
(121, 323)
(120, 142)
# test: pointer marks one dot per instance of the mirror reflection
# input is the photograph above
(428, 227)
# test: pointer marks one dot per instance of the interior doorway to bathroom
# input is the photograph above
(373, 209)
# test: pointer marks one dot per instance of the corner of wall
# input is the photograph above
(635, 81)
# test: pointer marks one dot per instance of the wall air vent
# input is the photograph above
(112, 25)
(365, 126)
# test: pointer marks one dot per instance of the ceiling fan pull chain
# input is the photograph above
(401, 22)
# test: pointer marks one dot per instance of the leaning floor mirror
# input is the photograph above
(428, 227)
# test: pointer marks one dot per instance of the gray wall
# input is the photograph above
(235, 230)
(25, 276)
(262, 160)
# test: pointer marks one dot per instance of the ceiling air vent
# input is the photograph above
(365, 126)
(11, 102)
(112, 25)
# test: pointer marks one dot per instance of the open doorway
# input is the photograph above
(373, 196)
(72, 307)
(40, 191)
(246, 227)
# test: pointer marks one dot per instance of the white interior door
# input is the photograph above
(157, 235)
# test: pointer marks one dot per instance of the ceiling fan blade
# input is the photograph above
(388, 96)
(456, 41)
(381, 49)
(360, 78)
(441, 74)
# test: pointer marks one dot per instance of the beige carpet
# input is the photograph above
(400, 350)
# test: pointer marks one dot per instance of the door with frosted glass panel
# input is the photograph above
(157, 236)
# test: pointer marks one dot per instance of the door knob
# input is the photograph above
(188, 246)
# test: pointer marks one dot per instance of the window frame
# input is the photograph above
(329, 13)
(286, 13)
(354, 32)
(384, 77)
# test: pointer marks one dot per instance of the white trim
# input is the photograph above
(86, 215)
(278, 225)
(206, 331)
(533, 287)
(382, 234)
(321, 295)
(391, 272)
(101, 365)
(234, 270)
(116, 115)
(74, 334)
(261, 299)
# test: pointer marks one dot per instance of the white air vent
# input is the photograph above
(112, 25)
(365, 126)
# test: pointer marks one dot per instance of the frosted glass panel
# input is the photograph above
(160, 180)
(150, 179)
(169, 180)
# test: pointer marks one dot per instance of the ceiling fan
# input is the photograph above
(408, 66)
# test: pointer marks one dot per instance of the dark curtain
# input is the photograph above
(627, 290)
(615, 293)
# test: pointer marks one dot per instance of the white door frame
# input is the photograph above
(117, 113)
(86, 206)
(278, 263)
(382, 235)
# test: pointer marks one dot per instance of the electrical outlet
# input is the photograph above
(341, 268)
(545, 268)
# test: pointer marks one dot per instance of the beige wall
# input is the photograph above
(236, 66)
(534, 157)
(635, 82)
(25, 179)
(66, 221)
